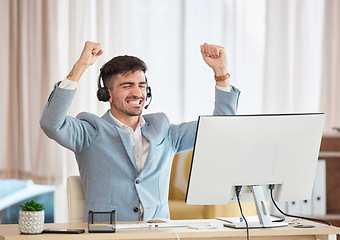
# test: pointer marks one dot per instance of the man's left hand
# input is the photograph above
(215, 57)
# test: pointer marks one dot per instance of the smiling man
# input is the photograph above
(124, 157)
(125, 82)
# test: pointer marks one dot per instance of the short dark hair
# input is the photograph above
(121, 65)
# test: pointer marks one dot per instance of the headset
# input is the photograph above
(104, 95)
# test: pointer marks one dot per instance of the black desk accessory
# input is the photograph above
(64, 230)
(101, 227)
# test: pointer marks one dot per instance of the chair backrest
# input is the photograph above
(75, 199)
(179, 175)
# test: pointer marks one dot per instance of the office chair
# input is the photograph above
(75, 199)
(180, 210)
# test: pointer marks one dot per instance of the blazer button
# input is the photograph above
(137, 181)
(135, 209)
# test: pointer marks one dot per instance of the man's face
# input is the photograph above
(128, 94)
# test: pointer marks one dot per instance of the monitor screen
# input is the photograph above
(248, 150)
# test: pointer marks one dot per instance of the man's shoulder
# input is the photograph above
(158, 121)
(87, 115)
(90, 117)
(156, 118)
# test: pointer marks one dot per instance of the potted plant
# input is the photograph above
(31, 218)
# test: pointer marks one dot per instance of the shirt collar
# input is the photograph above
(141, 121)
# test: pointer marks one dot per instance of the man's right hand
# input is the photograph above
(87, 58)
(90, 54)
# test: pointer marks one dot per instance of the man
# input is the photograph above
(125, 158)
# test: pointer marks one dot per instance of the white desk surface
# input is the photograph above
(320, 232)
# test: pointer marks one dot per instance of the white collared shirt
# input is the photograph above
(140, 144)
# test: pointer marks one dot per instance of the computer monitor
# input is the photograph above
(254, 151)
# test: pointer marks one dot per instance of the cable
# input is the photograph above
(238, 190)
(177, 236)
(271, 187)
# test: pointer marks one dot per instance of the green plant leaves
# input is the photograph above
(32, 206)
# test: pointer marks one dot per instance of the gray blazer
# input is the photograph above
(105, 157)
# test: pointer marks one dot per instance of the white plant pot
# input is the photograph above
(31, 222)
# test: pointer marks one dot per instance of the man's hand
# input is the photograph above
(215, 57)
(90, 54)
(87, 58)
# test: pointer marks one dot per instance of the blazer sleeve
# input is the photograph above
(68, 131)
(183, 135)
(226, 103)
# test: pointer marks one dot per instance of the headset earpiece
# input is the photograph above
(148, 96)
(148, 92)
(148, 89)
(102, 92)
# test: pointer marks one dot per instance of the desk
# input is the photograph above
(320, 232)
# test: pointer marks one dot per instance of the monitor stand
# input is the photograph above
(262, 213)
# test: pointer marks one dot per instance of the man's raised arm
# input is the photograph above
(70, 132)
(87, 58)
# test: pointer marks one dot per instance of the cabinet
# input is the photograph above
(330, 151)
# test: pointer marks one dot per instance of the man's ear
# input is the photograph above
(110, 92)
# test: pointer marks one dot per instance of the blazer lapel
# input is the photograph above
(127, 142)
(150, 133)
(124, 136)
